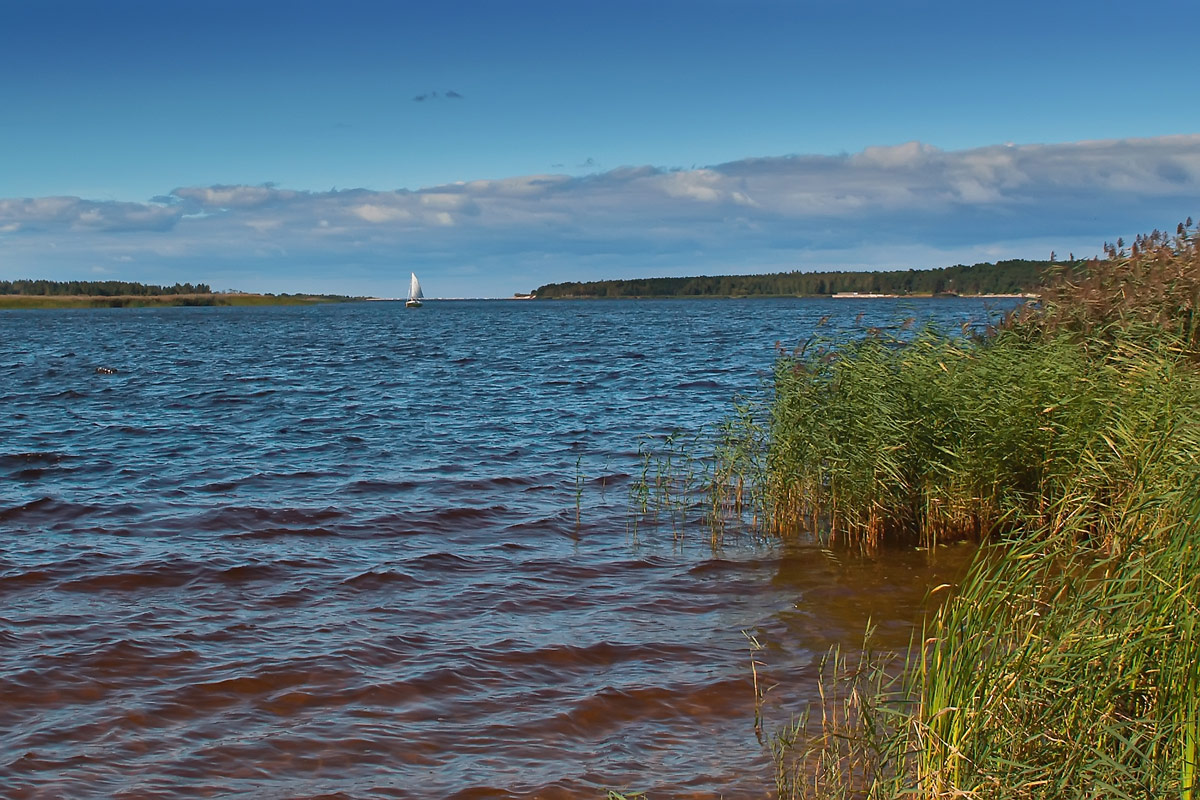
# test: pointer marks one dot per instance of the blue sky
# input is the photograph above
(282, 146)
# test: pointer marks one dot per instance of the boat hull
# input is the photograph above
(413, 304)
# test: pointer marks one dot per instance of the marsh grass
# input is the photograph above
(1067, 440)
(946, 438)
(1056, 670)
(1067, 662)
(851, 743)
(927, 437)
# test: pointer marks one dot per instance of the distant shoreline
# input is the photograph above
(39, 301)
(1000, 278)
(838, 296)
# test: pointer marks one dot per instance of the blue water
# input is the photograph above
(365, 551)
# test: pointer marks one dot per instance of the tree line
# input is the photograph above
(98, 288)
(1014, 276)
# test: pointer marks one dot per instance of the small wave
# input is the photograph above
(36, 457)
(467, 514)
(718, 566)
(380, 486)
(447, 562)
(46, 509)
(30, 475)
(611, 707)
(134, 430)
(24, 580)
(497, 482)
(584, 658)
(67, 394)
(294, 598)
(258, 518)
(378, 579)
(261, 686)
(158, 577)
(248, 573)
(281, 533)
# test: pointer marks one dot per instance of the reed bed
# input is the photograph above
(941, 437)
(1055, 671)
(945, 438)
(1067, 441)
(1067, 662)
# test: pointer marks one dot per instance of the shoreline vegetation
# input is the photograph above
(1016, 277)
(1067, 442)
(33, 294)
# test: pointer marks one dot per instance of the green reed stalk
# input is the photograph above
(1056, 670)
(674, 482)
(1067, 663)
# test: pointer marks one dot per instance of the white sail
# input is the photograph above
(414, 289)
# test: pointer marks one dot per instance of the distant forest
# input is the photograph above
(1002, 277)
(98, 288)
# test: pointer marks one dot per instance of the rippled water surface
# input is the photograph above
(357, 551)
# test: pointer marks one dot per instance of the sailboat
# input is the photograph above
(414, 293)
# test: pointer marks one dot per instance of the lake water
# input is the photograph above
(358, 551)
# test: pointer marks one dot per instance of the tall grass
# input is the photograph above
(1058, 672)
(946, 438)
(1067, 663)
(1055, 671)
(669, 489)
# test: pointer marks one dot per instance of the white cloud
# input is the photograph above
(264, 225)
(786, 210)
(449, 201)
(372, 212)
(701, 184)
(233, 196)
(39, 213)
(901, 156)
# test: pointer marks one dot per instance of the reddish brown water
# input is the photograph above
(308, 552)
